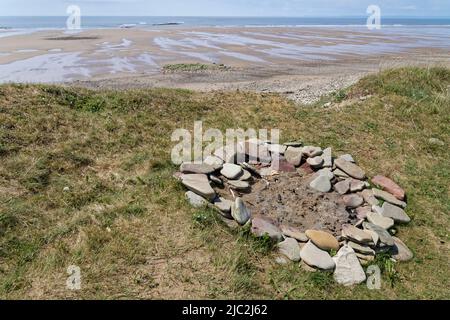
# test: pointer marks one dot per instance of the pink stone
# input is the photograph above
(282, 166)
(265, 226)
(390, 186)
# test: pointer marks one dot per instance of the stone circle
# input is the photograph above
(296, 194)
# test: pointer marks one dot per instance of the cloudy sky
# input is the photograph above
(290, 8)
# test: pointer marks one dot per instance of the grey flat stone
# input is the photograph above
(290, 249)
(347, 157)
(342, 187)
(357, 185)
(239, 185)
(348, 270)
(379, 220)
(195, 200)
(231, 171)
(224, 205)
(214, 162)
(277, 148)
(396, 213)
(201, 168)
(293, 156)
(262, 226)
(199, 184)
(352, 233)
(327, 158)
(321, 184)
(315, 257)
(375, 236)
(230, 223)
(245, 175)
(351, 169)
(315, 163)
(377, 209)
(216, 180)
(400, 251)
(369, 197)
(353, 201)
(361, 248)
(386, 196)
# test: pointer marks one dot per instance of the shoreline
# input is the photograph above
(301, 63)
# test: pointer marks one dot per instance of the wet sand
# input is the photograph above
(301, 62)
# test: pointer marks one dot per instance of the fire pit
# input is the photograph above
(320, 209)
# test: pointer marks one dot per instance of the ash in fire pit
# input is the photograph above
(289, 200)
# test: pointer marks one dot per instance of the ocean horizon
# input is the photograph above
(91, 22)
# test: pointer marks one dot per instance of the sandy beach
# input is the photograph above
(300, 62)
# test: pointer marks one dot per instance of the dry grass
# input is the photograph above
(124, 220)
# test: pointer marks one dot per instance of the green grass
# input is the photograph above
(86, 179)
(193, 67)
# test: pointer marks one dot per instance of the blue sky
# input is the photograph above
(226, 7)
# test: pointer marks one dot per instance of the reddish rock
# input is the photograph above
(390, 186)
(282, 166)
(265, 226)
